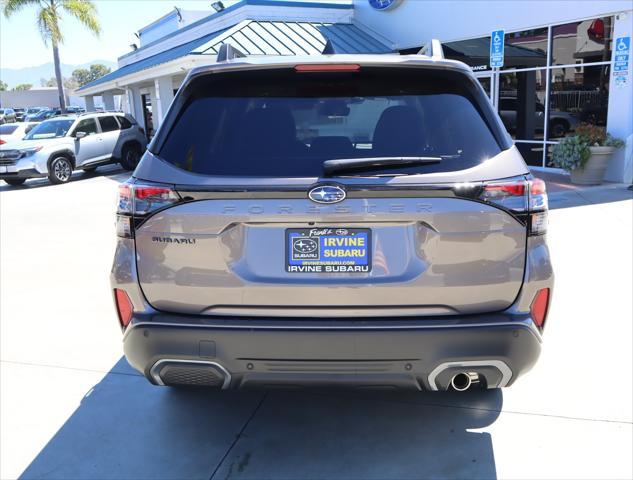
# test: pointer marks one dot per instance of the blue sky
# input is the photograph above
(21, 44)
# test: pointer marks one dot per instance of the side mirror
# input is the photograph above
(80, 135)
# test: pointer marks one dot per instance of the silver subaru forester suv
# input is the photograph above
(358, 221)
(58, 146)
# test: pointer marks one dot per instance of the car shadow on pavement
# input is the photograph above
(111, 172)
(125, 428)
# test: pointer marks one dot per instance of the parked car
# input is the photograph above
(7, 115)
(75, 109)
(11, 132)
(42, 115)
(34, 110)
(560, 122)
(251, 255)
(56, 147)
(19, 114)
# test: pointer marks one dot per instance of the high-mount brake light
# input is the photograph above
(347, 67)
(523, 197)
(137, 201)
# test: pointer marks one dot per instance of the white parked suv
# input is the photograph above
(62, 144)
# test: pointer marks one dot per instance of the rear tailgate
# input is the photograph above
(426, 256)
(266, 246)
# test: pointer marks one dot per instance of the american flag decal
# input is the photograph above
(380, 261)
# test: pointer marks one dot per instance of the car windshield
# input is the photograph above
(33, 110)
(50, 129)
(286, 124)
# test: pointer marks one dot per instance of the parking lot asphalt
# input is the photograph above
(71, 407)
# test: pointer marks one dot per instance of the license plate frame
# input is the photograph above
(350, 251)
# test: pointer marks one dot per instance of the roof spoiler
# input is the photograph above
(433, 49)
(228, 52)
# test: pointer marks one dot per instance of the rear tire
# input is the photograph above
(60, 170)
(15, 181)
(559, 129)
(130, 156)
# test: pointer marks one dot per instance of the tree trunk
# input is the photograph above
(59, 78)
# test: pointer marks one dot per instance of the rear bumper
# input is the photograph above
(396, 353)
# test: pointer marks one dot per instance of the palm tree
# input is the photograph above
(49, 15)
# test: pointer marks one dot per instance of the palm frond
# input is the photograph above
(48, 23)
(85, 11)
(9, 7)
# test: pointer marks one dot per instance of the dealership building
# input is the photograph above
(563, 63)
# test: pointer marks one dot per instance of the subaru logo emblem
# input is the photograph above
(327, 194)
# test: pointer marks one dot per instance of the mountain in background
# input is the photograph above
(32, 75)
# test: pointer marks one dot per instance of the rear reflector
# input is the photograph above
(539, 307)
(123, 306)
(327, 68)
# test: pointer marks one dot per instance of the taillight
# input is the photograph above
(312, 67)
(137, 201)
(124, 306)
(525, 197)
(539, 307)
(2, 142)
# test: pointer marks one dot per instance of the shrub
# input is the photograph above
(573, 152)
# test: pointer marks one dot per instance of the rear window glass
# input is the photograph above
(7, 129)
(125, 123)
(108, 124)
(286, 124)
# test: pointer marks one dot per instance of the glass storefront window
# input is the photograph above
(582, 42)
(474, 52)
(522, 103)
(525, 49)
(532, 153)
(577, 95)
(486, 84)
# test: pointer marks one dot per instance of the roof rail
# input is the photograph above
(228, 52)
(433, 49)
(81, 114)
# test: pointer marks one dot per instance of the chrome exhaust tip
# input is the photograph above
(464, 380)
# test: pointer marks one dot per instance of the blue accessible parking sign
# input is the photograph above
(496, 48)
(621, 61)
(622, 52)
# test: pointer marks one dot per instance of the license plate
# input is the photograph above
(3, 169)
(328, 250)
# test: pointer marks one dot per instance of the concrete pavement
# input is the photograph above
(70, 407)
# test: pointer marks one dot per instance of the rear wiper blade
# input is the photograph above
(374, 163)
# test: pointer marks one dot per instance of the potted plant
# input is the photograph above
(586, 154)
